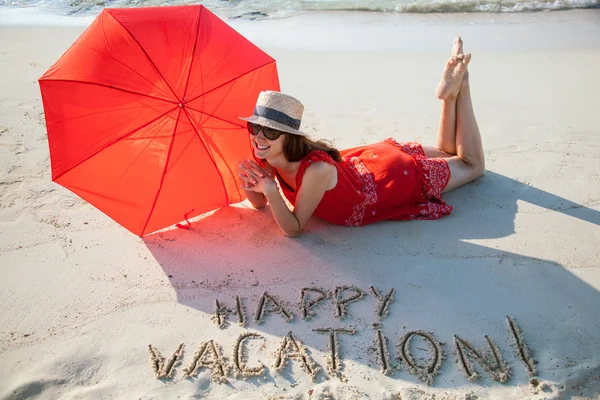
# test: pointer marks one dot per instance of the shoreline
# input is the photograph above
(19, 15)
(573, 30)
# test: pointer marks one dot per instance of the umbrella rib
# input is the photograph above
(114, 141)
(231, 80)
(149, 59)
(211, 156)
(164, 173)
(111, 87)
(215, 117)
(187, 82)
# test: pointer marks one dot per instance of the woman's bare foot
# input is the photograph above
(457, 47)
(455, 69)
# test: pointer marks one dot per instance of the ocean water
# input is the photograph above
(277, 9)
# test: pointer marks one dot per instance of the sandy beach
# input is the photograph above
(517, 261)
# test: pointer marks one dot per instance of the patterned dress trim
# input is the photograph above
(368, 190)
(435, 173)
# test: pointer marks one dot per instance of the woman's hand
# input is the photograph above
(255, 178)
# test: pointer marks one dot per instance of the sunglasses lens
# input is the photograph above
(271, 134)
(253, 129)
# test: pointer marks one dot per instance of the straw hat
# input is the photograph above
(278, 111)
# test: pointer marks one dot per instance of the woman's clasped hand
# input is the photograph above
(255, 178)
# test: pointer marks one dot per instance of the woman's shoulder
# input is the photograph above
(316, 158)
(317, 165)
(318, 155)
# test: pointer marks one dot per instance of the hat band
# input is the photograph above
(277, 116)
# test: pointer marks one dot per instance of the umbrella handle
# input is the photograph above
(182, 226)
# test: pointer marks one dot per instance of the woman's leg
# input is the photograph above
(458, 124)
(446, 140)
(469, 163)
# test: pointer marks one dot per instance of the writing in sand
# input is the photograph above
(209, 355)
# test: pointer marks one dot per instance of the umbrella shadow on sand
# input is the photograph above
(443, 283)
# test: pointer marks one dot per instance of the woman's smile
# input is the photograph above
(260, 146)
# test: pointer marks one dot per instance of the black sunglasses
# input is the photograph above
(270, 133)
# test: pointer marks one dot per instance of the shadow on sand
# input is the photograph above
(444, 284)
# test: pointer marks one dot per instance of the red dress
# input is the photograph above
(382, 181)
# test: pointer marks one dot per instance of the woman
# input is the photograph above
(382, 181)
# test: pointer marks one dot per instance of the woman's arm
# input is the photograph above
(312, 189)
(258, 200)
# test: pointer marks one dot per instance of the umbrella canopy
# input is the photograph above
(142, 113)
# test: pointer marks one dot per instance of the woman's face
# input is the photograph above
(265, 148)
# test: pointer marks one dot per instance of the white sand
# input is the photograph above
(82, 298)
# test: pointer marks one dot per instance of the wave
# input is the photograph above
(274, 9)
(483, 6)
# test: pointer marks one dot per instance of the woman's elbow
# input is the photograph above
(258, 200)
(293, 234)
(258, 204)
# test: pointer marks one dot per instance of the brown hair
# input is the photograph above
(296, 147)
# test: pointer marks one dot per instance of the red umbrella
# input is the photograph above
(142, 113)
